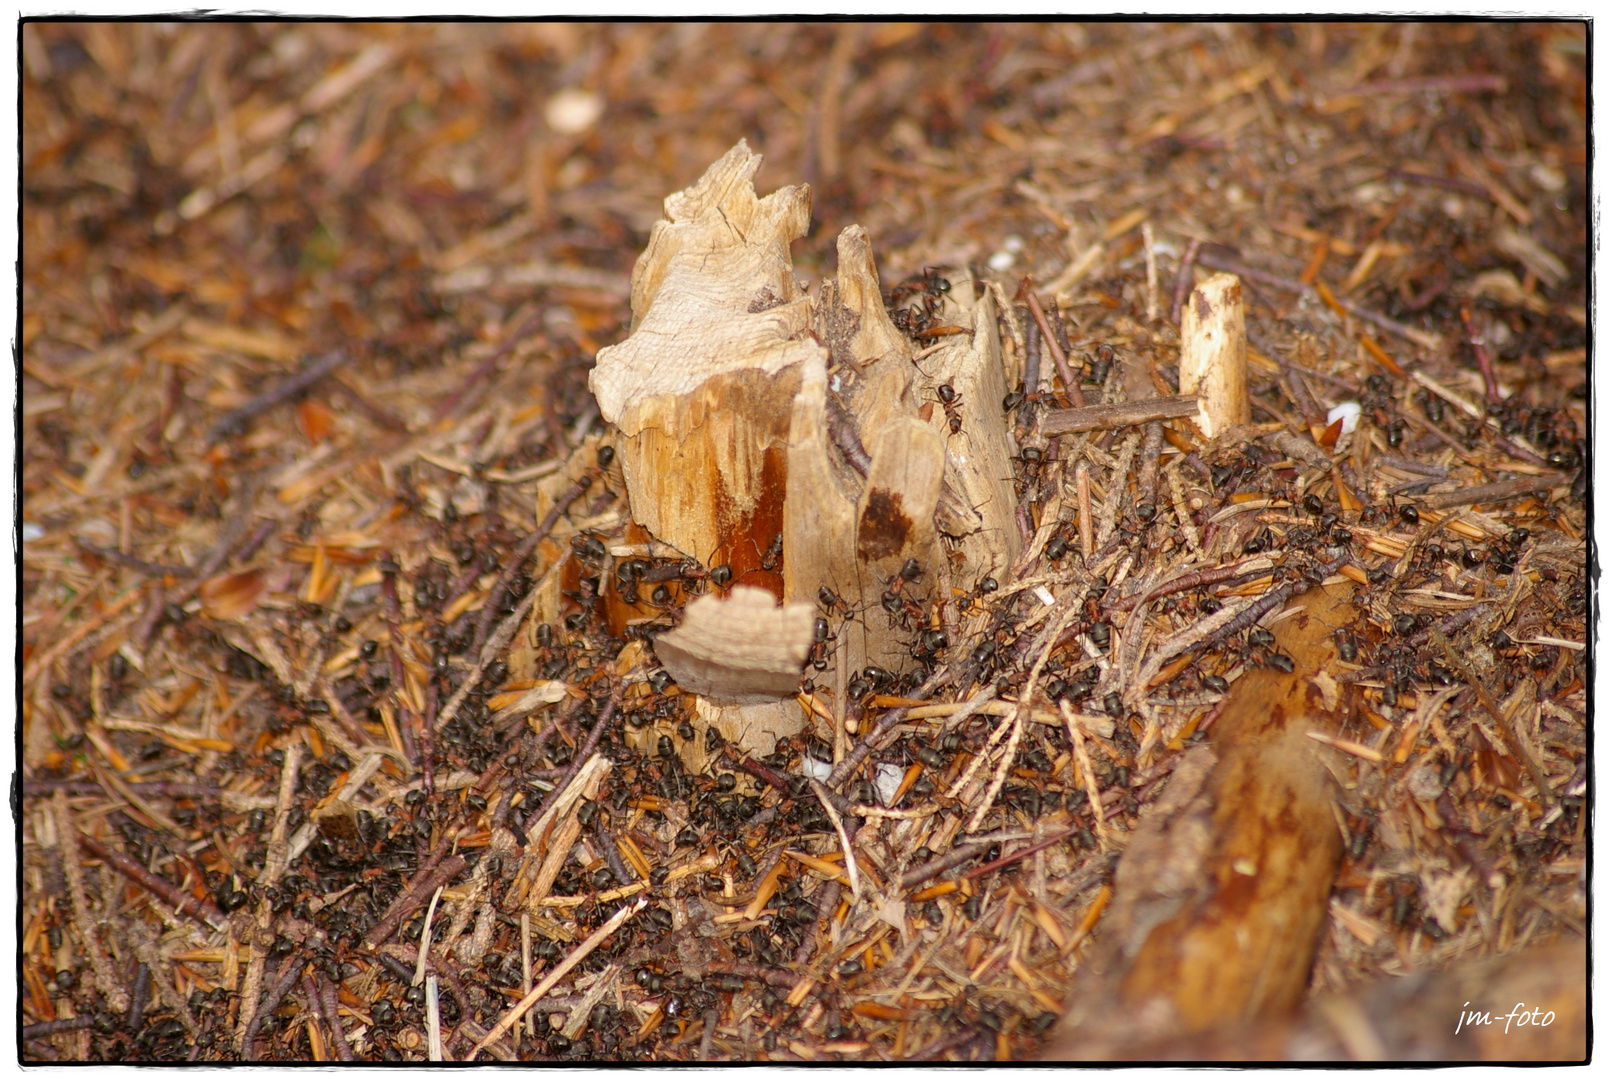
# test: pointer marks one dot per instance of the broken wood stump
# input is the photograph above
(1212, 353)
(792, 438)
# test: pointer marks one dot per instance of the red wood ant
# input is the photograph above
(951, 402)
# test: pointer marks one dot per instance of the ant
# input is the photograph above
(930, 285)
(919, 322)
(952, 403)
(898, 605)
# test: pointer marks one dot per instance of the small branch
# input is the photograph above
(424, 885)
(850, 761)
(149, 569)
(527, 546)
(1016, 856)
(1122, 414)
(1215, 261)
(235, 421)
(822, 794)
(202, 911)
(1195, 579)
(89, 928)
(484, 369)
(1074, 391)
(1436, 84)
(582, 755)
(1181, 285)
(1272, 599)
(332, 1016)
(1450, 625)
(1497, 491)
(1483, 358)
(56, 1027)
(611, 853)
(141, 996)
(270, 1002)
(950, 859)
(1538, 777)
(577, 955)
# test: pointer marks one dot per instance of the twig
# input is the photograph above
(425, 884)
(834, 77)
(1074, 392)
(1468, 187)
(484, 369)
(611, 853)
(851, 761)
(1274, 598)
(253, 1019)
(1483, 358)
(1181, 284)
(1538, 777)
(88, 926)
(314, 1003)
(1450, 625)
(138, 999)
(578, 954)
(1120, 414)
(44, 660)
(424, 938)
(950, 859)
(202, 911)
(1435, 84)
(332, 1016)
(437, 1052)
(943, 1045)
(1086, 769)
(1497, 491)
(706, 1044)
(843, 836)
(494, 645)
(1195, 579)
(1086, 512)
(1030, 359)
(150, 569)
(47, 1028)
(527, 546)
(1150, 459)
(1016, 856)
(581, 756)
(234, 421)
(1214, 261)
(278, 839)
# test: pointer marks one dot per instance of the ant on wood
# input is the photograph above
(919, 322)
(951, 402)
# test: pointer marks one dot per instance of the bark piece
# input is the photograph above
(1212, 353)
(741, 649)
(1221, 896)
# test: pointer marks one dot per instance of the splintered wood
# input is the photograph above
(801, 467)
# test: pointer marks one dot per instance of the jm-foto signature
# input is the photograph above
(1472, 1018)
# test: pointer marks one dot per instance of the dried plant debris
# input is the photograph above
(342, 732)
